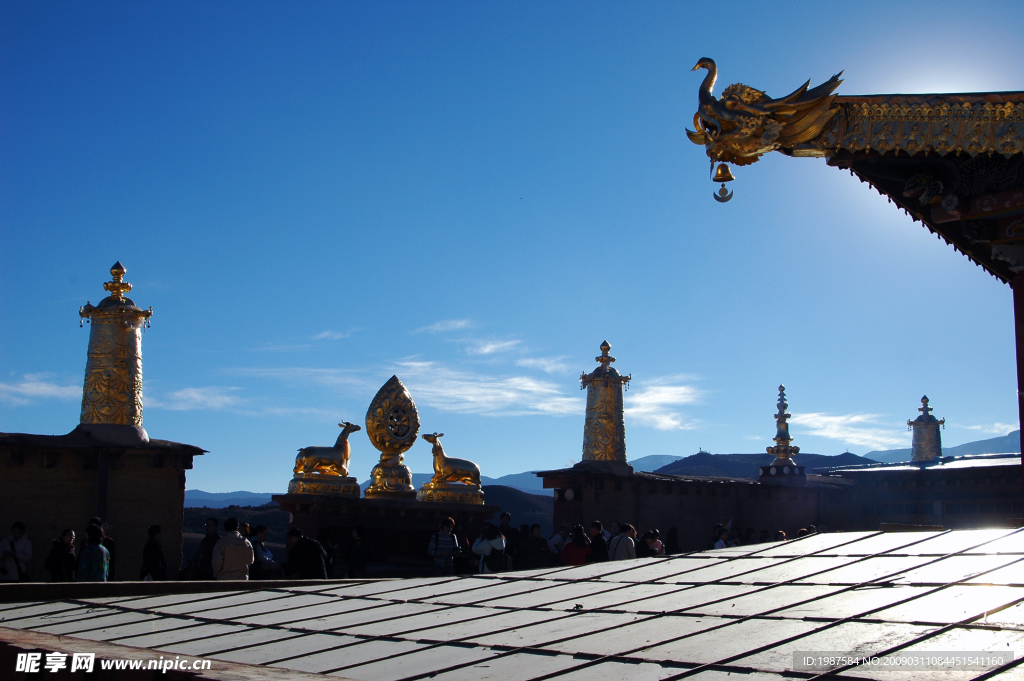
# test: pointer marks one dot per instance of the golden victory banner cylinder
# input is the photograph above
(112, 394)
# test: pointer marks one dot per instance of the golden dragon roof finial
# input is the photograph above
(746, 123)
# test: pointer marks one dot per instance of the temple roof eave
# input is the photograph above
(79, 440)
(953, 161)
(950, 231)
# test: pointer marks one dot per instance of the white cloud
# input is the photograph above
(551, 365)
(490, 347)
(471, 393)
(994, 428)
(36, 386)
(861, 430)
(188, 399)
(333, 377)
(653, 404)
(332, 335)
(448, 325)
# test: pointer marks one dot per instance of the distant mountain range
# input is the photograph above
(748, 465)
(195, 498)
(1009, 443)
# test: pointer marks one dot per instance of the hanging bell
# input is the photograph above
(723, 175)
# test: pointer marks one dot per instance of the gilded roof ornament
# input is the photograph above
(604, 431)
(927, 440)
(324, 470)
(783, 451)
(455, 481)
(392, 423)
(117, 287)
(746, 123)
(112, 391)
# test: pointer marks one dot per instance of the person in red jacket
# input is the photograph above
(577, 549)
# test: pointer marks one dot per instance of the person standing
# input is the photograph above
(264, 567)
(61, 563)
(108, 543)
(556, 542)
(15, 554)
(598, 544)
(533, 551)
(93, 559)
(357, 555)
(622, 546)
(576, 551)
(154, 568)
(490, 546)
(202, 562)
(511, 540)
(232, 555)
(672, 542)
(443, 548)
(306, 557)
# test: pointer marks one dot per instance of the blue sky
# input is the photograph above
(315, 196)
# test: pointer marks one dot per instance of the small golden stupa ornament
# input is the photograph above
(324, 470)
(783, 468)
(112, 394)
(927, 442)
(783, 451)
(455, 481)
(392, 424)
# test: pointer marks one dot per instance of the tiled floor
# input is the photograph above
(717, 615)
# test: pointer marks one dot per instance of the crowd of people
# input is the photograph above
(503, 547)
(725, 536)
(92, 560)
(241, 552)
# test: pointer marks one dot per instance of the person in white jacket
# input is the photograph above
(233, 554)
(15, 553)
(621, 546)
(491, 549)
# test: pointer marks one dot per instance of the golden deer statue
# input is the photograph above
(448, 469)
(330, 461)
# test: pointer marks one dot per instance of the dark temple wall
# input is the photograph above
(967, 497)
(50, 489)
(956, 498)
(692, 507)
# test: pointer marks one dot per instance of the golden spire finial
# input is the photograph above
(782, 437)
(924, 408)
(605, 359)
(118, 287)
